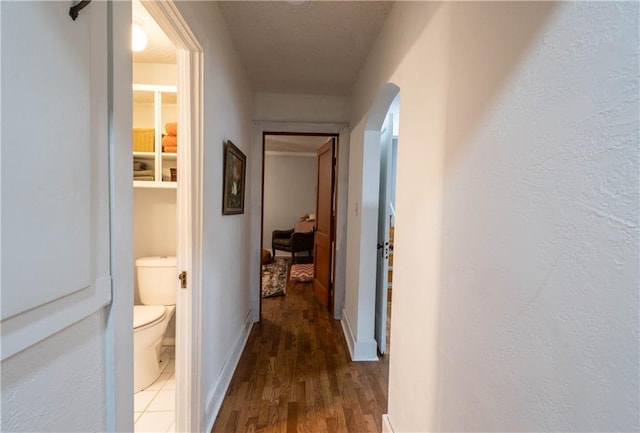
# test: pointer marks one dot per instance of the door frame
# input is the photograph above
(360, 329)
(336, 137)
(317, 284)
(382, 258)
(341, 130)
(189, 202)
(119, 317)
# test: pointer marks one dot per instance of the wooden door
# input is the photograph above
(323, 249)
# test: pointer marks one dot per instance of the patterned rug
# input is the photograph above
(302, 273)
(274, 278)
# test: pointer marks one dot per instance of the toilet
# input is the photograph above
(157, 285)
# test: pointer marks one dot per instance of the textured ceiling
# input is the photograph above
(298, 47)
(303, 47)
(159, 49)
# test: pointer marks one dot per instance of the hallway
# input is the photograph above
(295, 375)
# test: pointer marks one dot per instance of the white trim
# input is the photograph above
(282, 153)
(119, 326)
(342, 187)
(215, 399)
(348, 333)
(365, 252)
(152, 184)
(155, 88)
(359, 350)
(386, 424)
(342, 131)
(190, 199)
(26, 329)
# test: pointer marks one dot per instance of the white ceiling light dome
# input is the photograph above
(139, 38)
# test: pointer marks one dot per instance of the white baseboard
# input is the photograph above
(359, 350)
(216, 397)
(169, 341)
(348, 332)
(386, 424)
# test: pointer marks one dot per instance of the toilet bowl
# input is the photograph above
(149, 324)
(157, 287)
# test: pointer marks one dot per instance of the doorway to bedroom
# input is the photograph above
(298, 213)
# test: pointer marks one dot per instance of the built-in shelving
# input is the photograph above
(153, 107)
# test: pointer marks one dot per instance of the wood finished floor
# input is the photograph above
(295, 375)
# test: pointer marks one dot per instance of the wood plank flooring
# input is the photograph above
(295, 375)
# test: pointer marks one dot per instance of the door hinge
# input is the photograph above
(335, 161)
(183, 279)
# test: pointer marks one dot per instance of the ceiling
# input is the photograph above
(295, 47)
(304, 47)
(298, 47)
(159, 49)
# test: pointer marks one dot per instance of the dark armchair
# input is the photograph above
(292, 241)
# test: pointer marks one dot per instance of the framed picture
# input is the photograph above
(233, 184)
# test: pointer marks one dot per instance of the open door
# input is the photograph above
(384, 212)
(189, 217)
(323, 249)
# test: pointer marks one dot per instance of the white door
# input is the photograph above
(384, 210)
(55, 179)
(189, 208)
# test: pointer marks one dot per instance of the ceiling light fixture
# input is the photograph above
(138, 38)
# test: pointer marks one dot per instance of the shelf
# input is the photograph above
(144, 154)
(155, 88)
(153, 107)
(150, 155)
(154, 184)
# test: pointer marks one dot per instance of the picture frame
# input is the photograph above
(233, 184)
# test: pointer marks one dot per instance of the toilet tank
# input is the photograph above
(157, 280)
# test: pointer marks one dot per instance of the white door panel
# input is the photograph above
(55, 186)
(382, 263)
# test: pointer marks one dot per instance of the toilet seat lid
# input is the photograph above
(145, 314)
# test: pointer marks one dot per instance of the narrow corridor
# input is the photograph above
(295, 375)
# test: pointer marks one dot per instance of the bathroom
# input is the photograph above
(154, 223)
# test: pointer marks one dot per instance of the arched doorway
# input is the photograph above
(380, 145)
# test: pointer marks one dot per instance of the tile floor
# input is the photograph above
(154, 407)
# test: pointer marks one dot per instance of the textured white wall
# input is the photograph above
(58, 384)
(289, 192)
(539, 313)
(519, 126)
(226, 266)
(154, 224)
(412, 53)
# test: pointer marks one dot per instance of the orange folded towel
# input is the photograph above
(172, 128)
(171, 149)
(169, 140)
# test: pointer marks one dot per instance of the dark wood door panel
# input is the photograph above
(324, 224)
